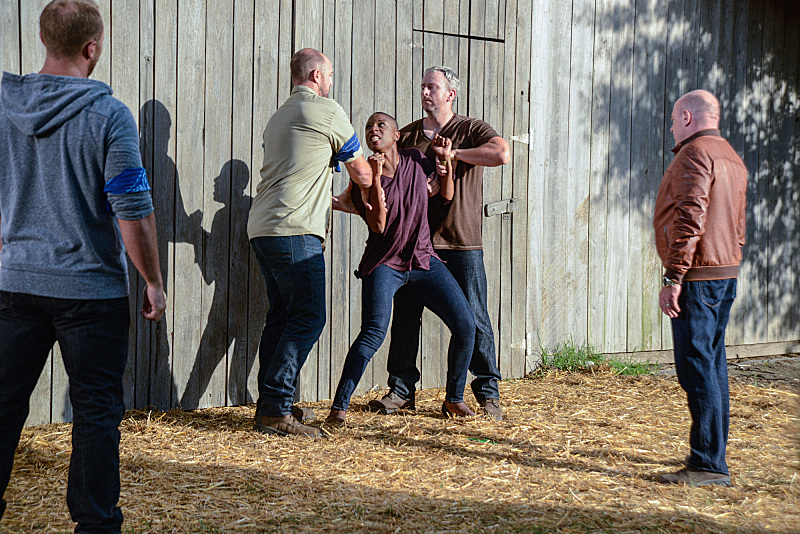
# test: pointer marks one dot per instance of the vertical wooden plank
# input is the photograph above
(495, 257)
(461, 105)
(578, 167)
(740, 94)
(599, 171)
(792, 75)
(644, 324)
(10, 53)
(782, 242)
(123, 35)
(145, 330)
(556, 279)
(190, 314)
(417, 59)
(753, 272)
(341, 268)
(32, 52)
(212, 354)
(240, 351)
(518, 77)
(158, 137)
(361, 107)
(266, 76)
(434, 42)
(617, 270)
(505, 334)
(308, 24)
(406, 86)
(477, 18)
(539, 59)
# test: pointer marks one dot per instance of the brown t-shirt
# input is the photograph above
(457, 225)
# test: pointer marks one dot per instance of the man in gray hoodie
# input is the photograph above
(73, 198)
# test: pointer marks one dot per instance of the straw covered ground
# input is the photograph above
(579, 452)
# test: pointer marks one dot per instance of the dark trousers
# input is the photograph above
(294, 272)
(698, 334)
(436, 289)
(93, 337)
(468, 269)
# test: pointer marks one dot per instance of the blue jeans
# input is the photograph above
(93, 336)
(698, 334)
(294, 272)
(437, 290)
(467, 268)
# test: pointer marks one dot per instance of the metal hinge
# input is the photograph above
(501, 207)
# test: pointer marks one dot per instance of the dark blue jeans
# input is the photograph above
(294, 272)
(467, 268)
(698, 334)
(93, 336)
(435, 289)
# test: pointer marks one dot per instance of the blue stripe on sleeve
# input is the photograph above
(350, 147)
(128, 181)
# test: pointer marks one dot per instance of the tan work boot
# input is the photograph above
(457, 409)
(695, 477)
(491, 407)
(285, 425)
(304, 415)
(390, 403)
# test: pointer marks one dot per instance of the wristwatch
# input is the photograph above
(669, 282)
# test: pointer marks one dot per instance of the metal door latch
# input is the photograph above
(501, 207)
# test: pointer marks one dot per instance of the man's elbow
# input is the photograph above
(504, 155)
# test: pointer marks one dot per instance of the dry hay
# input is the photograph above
(577, 453)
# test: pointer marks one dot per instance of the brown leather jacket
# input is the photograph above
(699, 218)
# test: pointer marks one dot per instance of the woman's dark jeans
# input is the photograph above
(698, 334)
(438, 291)
(294, 272)
(93, 337)
(468, 269)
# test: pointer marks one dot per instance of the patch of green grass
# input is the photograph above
(571, 356)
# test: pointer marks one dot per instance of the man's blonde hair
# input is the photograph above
(67, 25)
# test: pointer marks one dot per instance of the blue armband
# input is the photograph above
(350, 147)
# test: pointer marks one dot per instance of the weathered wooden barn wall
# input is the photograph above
(582, 90)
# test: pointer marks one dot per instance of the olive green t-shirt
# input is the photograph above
(303, 142)
(457, 225)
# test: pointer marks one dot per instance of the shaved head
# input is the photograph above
(701, 104)
(304, 62)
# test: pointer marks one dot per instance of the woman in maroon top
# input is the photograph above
(399, 253)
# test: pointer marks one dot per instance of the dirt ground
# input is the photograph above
(577, 453)
(783, 372)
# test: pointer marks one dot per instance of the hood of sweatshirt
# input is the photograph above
(39, 103)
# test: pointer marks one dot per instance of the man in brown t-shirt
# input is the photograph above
(456, 232)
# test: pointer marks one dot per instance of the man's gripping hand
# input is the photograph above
(154, 302)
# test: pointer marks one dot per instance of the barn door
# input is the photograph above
(469, 36)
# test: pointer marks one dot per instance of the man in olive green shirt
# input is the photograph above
(304, 141)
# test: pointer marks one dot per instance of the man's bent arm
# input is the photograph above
(361, 174)
(139, 237)
(492, 153)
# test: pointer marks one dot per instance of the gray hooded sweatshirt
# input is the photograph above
(69, 164)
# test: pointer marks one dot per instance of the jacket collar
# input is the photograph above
(701, 133)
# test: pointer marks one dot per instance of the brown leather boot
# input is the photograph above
(285, 425)
(695, 477)
(390, 403)
(456, 409)
(491, 407)
(335, 418)
(304, 415)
